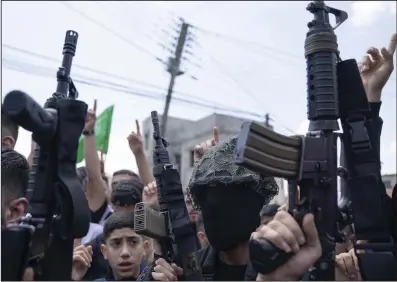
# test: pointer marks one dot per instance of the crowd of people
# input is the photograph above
(224, 213)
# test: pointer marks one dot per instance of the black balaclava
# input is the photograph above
(230, 216)
(230, 197)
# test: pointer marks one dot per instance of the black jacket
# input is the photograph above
(208, 259)
(99, 266)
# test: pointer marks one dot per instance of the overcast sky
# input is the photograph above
(251, 60)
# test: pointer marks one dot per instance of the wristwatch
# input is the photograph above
(88, 132)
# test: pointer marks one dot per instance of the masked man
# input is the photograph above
(230, 199)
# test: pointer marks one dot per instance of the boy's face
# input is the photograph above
(124, 250)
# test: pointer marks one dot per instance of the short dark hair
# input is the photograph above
(14, 174)
(126, 192)
(126, 171)
(118, 220)
(200, 223)
(8, 127)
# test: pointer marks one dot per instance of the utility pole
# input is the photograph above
(173, 68)
(267, 121)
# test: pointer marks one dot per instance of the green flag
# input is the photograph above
(103, 125)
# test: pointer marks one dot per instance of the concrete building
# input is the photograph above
(183, 135)
(389, 180)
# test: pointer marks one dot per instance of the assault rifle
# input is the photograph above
(335, 91)
(58, 209)
(171, 225)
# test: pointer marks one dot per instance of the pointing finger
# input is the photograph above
(95, 104)
(392, 44)
(216, 134)
(138, 129)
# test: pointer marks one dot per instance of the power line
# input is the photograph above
(44, 72)
(84, 15)
(123, 20)
(130, 80)
(260, 46)
(245, 90)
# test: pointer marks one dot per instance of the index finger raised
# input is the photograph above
(95, 105)
(392, 44)
(216, 134)
(138, 128)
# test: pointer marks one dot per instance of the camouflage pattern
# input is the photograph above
(217, 168)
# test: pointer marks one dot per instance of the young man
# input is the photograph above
(122, 248)
(14, 183)
(124, 174)
(230, 199)
(9, 131)
(124, 197)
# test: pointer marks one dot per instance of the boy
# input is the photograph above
(123, 249)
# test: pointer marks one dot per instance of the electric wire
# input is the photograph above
(88, 18)
(45, 72)
(129, 80)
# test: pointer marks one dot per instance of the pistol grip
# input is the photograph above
(265, 257)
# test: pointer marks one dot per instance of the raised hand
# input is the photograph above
(149, 195)
(91, 118)
(376, 68)
(200, 150)
(82, 258)
(135, 140)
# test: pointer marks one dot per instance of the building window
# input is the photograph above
(146, 141)
(178, 162)
(191, 158)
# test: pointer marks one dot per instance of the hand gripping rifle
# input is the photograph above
(171, 225)
(334, 90)
(58, 209)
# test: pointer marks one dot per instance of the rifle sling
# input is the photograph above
(371, 220)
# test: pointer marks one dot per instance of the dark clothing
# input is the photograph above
(110, 277)
(100, 269)
(99, 265)
(96, 216)
(198, 245)
(213, 269)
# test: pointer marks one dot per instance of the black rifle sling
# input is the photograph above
(371, 219)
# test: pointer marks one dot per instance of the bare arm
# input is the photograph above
(136, 145)
(144, 170)
(96, 186)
